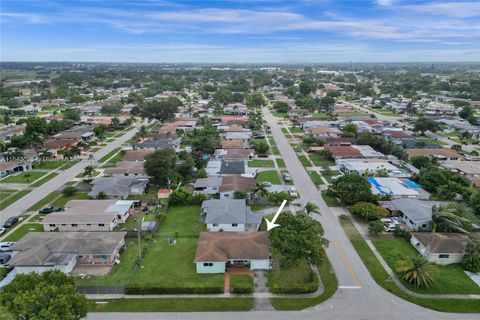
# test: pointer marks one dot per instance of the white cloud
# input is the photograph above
(385, 2)
(449, 9)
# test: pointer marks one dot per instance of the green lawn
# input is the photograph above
(241, 280)
(48, 177)
(383, 279)
(45, 201)
(295, 129)
(5, 193)
(304, 161)
(261, 163)
(274, 150)
(13, 198)
(388, 113)
(431, 141)
(315, 178)
(23, 230)
(94, 174)
(24, 177)
(70, 164)
(268, 176)
(133, 221)
(60, 202)
(329, 177)
(49, 165)
(321, 161)
(109, 155)
(151, 195)
(173, 305)
(280, 163)
(163, 264)
(330, 285)
(272, 141)
(284, 278)
(331, 201)
(259, 207)
(451, 279)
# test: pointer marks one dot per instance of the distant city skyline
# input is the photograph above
(237, 31)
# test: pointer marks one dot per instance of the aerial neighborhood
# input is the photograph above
(168, 179)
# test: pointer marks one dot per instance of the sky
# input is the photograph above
(240, 31)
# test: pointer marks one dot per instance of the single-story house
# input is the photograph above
(228, 120)
(370, 167)
(234, 154)
(224, 167)
(89, 215)
(354, 151)
(118, 187)
(125, 168)
(233, 183)
(207, 186)
(75, 135)
(441, 248)
(10, 167)
(42, 251)
(440, 154)
(232, 144)
(470, 169)
(7, 134)
(242, 136)
(218, 250)
(54, 146)
(229, 215)
(159, 144)
(416, 214)
(136, 155)
(323, 132)
(397, 188)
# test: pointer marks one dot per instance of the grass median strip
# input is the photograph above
(49, 198)
(23, 230)
(383, 279)
(46, 178)
(109, 155)
(13, 198)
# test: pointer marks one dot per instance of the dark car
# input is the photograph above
(258, 136)
(48, 210)
(4, 257)
(10, 222)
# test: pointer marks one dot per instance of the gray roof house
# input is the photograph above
(118, 186)
(208, 186)
(441, 248)
(42, 251)
(229, 215)
(224, 167)
(417, 214)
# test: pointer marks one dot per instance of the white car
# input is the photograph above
(293, 192)
(391, 227)
(5, 246)
(287, 177)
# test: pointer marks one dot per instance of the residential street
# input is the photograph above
(358, 295)
(22, 205)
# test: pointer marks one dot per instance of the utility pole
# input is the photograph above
(138, 237)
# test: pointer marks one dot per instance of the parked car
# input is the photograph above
(390, 227)
(287, 177)
(5, 246)
(4, 257)
(258, 136)
(2, 230)
(293, 192)
(266, 184)
(48, 210)
(10, 222)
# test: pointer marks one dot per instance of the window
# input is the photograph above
(208, 264)
(215, 224)
(443, 256)
(101, 224)
(227, 195)
(103, 257)
(51, 225)
(234, 225)
(89, 224)
(74, 225)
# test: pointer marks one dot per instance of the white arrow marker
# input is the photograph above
(272, 224)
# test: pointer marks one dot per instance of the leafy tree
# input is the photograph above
(420, 162)
(425, 124)
(161, 110)
(417, 271)
(277, 197)
(298, 237)
(260, 146)
(349, 130)
(375, 228)
(160, 166)
(179, 198)
(239, 194)
(471, 261)
(101, 195)
(474, 202)
(110, 109)
(100, 130)
(72, 114)
(305, 87)
(311, 207)
(88, 171)
(369, 211)
(352, 188)
(466, 112)
(206, 141)
(281, 107)
(448, 219)
(327, 102)
(49, 295)
(185, 169)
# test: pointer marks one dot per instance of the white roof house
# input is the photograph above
(397, 188)
(364, 166)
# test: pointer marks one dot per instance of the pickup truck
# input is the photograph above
(48, 210)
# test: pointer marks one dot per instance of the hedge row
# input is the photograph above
(242, 288)
(193, 289)
(297, 288)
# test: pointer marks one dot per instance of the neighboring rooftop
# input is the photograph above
(443, 242)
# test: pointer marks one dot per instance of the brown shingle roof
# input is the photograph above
(235, 182)
(443, 242)
(136, 155)
(58, 144)
(344, 151)
(221, 246)
(232, 144)
(433, 152)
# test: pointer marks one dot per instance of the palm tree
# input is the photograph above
(417, 271)
(445, 220)
(143, 132)
(45, 155)
(88, 171)
(311, 207)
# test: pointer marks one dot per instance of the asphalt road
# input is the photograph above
(23, 204)
(358, 296)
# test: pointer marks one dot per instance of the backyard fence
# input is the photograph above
(101, 289)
